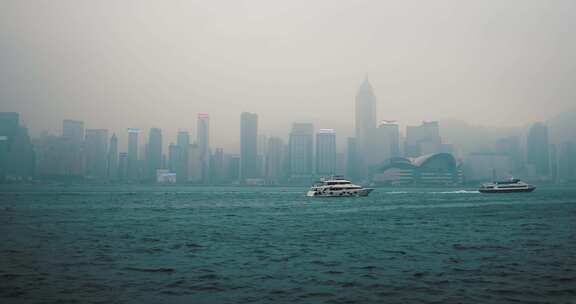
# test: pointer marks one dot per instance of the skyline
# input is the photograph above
(147, 64)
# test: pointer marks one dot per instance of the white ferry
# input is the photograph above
(513, 185)
(336, 186)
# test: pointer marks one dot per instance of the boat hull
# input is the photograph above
(343, 193)
(507, 190)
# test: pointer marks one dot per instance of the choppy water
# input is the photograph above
(272, 245)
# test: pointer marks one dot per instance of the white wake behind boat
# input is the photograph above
(337, 186)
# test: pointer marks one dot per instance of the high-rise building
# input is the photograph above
(113, 158)
(203, 141)
(386, 142)
(72, 147)
(301, 151)
(173, 157)
(9, 124)
(352, 159)
(217, 167)
(261, 148)
(21, 159)
(567, 162)
(233, 167)
(49, 162)
(96, 151)
(537, 153)
(154, 155)
(73, 130)
(183, 143)
(423, 139)
(123, 166)
(365, 123)
(248, 146)
(326, 152)
(274, 157)
(511, 146)
(194, 164)
(133, 163)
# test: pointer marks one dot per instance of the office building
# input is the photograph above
(248, 146)
(326, 152)
(154, 152)
(301, 152)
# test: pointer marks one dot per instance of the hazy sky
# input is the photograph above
(119, 64)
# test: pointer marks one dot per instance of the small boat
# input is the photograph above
(337, 186)
(513, 185)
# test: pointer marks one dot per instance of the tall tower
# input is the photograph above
(154, 155)
(326, 152)
(365, 121)
(183, 143)
(96, 153)
(203, 141)
(301, 151)
(248, 145)
(113, 158)
(73, 140)
(133, 168)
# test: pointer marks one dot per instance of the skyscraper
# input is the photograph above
(423, 139)
(183, 143)
(326, 152)
(386, 142)
(203, 141)
(194, 164)
(352, 160)
(96, 153)
(72, 147)
(173, 157)
(113, 158)
(365, 123)
(537, 153)
(154, 155)
(301, 151)
(248, 145)
(274, 157)
(217, 167)
(9, 124)
(123, 166)
(133, 168)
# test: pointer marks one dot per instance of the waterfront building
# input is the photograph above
(203, 141)
(133, 159)
(113, 158)
(423, 139)
(431, 169)
(248, 146)
(488, 167)
(326, 152)
(154, 152)
(96, 151)
(365, 124)
(183, 142)
(274, 160)
(386, 142)
(300, 154)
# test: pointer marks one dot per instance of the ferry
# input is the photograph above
(513, 185)
(337, 186)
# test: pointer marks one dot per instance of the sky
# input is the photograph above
(119, 64)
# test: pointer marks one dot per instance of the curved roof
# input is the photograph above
(425, 159)
(420, 162)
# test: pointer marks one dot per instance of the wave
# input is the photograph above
(456, 192)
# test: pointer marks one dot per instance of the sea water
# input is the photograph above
(152, 244)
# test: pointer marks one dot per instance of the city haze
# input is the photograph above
(120, 64)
